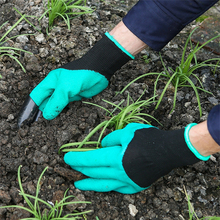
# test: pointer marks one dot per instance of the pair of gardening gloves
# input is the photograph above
(131, 158)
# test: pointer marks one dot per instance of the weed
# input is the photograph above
(11, 52)
(54, 210)
(181, 76)
(192, 214)
(201, 18)
(146, 59)
(25, 18)
(128, 114)
(65, 9)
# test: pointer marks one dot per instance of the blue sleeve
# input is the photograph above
(213, 123)
(156, 22)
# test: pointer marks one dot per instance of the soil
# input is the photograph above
(36, 146)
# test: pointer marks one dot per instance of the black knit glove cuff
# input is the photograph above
(105, 57)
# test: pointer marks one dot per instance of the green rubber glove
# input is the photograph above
(62, 86)
(84, 77)
(133, 158)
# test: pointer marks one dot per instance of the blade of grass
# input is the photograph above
(90, 103)
(147, 74)
(164, 90)
(25, 18)
(76, 144)
(197, 94)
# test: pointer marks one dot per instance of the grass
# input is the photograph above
(54, 211)
(201, 18)
(25, 18)
(65, 9)
(181, 76)
(128, 114)
(192, 214)
(11, 52)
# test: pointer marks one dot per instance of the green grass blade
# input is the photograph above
(105, 126)
(175, 94)
(113, 104)
(150, 116)
(185, 47)
(3, 24)
(25, 18)
(13, 57)
(92, 132)
(22, 190)
(19, 207)
(197, 94)
(38, 200)
(165, 69)
(164, 90)
(90, 103)
(155, 85)
(38, 187)
(65, 20)
(7, 32)
(76, 144)
(147, 74)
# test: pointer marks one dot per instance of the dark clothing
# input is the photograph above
(214, 123)
(156, 22)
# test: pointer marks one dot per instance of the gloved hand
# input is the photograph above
(133, 158)
(84, 77)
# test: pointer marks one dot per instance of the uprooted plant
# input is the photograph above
(52, 211)
(132, 112)
(182, 75)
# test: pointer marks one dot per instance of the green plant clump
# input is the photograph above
(65, 9)
(53, 212)
(131, 113)
(180, 77)
(11, 52)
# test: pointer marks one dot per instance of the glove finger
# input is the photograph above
(99, 172)
(57, 102)
(99, 185)
(43, 104)
(75, 98)
(44, 89)
(104, 157)
(123, 136)
(129, 189)
(113, 139)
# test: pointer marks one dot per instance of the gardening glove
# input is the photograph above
(84, 77)
(133, 158)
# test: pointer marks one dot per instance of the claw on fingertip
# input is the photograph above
(29, 112)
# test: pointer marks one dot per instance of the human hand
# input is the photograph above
(62, 86)
(132, 158)
(84, 77)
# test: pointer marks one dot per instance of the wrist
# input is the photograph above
(127, 39)
(105, 57)
(119, 45)
(190, 141)
(201, 140)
